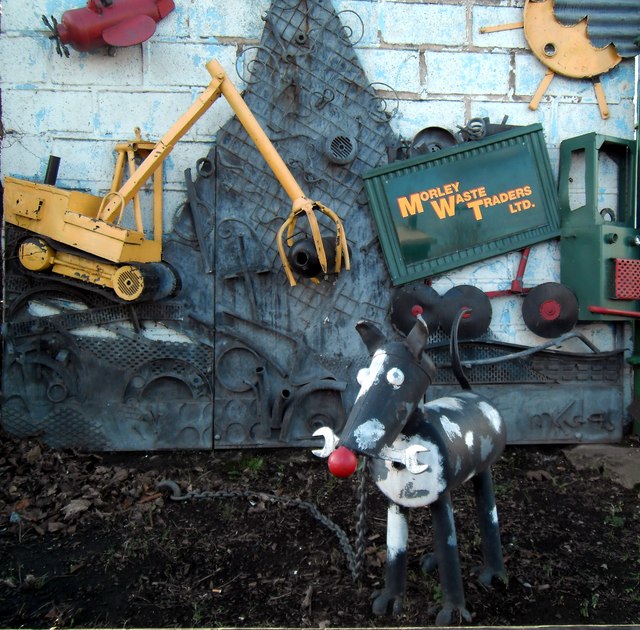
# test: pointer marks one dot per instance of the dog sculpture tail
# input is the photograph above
(454, 349)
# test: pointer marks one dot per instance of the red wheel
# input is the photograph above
(550, 310)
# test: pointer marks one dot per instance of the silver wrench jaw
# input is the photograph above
(330, 442)
(407, 457)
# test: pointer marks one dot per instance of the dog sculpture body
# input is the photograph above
(419, 454)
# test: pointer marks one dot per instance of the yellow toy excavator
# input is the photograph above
(81, 236)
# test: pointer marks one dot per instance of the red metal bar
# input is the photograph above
(613, 311)
(516, 285)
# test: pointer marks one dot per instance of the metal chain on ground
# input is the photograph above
(354, 557)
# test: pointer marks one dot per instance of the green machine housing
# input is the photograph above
(462, 204)
(600, 242)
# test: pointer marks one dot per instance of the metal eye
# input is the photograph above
(363, 376)
(395, 377)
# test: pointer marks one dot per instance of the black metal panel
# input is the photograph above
(82, 371)
(283, 354)
(546, 397)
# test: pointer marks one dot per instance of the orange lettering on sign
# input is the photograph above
(410, 206)
(444, 207)
(475, 206)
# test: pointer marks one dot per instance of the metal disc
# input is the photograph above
(430, 140)
(472, 324)
(550, 309)
(406, 302)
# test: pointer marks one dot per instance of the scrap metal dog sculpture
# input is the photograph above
(419, 454)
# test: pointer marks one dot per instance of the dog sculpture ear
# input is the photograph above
(417, 338)
(371, 335)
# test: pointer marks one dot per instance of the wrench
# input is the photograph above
(408, 457)
(330, 442)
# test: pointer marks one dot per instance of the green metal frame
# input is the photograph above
(463, 204)
(592, 240)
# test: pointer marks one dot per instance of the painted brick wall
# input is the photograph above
(432, 53)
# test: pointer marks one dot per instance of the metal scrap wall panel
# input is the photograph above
(112, 390)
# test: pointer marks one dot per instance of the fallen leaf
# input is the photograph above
(75, 507)
(539, 475)
(150, 497)
(120, 475)
(21, 505)
(34, 454)
(306, 602)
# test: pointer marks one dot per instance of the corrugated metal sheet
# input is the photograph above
(616, 21)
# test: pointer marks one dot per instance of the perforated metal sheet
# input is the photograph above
(627, 279)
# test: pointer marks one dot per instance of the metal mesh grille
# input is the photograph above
(131, 354)
(518, 371)
(627, 279)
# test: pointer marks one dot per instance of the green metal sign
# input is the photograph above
(467, 203)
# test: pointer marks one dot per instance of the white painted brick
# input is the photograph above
(173, 64)
(25, 15)
(84, 163)
(423, 24)
(21, 60)
(617, 83)
(529, 72)
(227, 19)
(495, 16)
(570, 123)
(26, 156)
(467, 73)
(399, 69)
(96, 68)
(416, 115)
(118, 113)
(44, 111)
(364, 25)
(167, 29)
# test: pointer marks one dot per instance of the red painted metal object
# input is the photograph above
(103, 23)
(517, 286)
(614, 311)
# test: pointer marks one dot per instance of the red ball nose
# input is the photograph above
(342, 462)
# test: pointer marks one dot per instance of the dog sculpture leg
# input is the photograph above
(489, 529)
(391, 598)
(448, 561)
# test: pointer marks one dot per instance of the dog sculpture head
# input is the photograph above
(390, 389)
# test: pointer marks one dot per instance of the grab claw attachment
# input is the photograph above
(303, 206)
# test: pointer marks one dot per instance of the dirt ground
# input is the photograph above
(88, 540)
